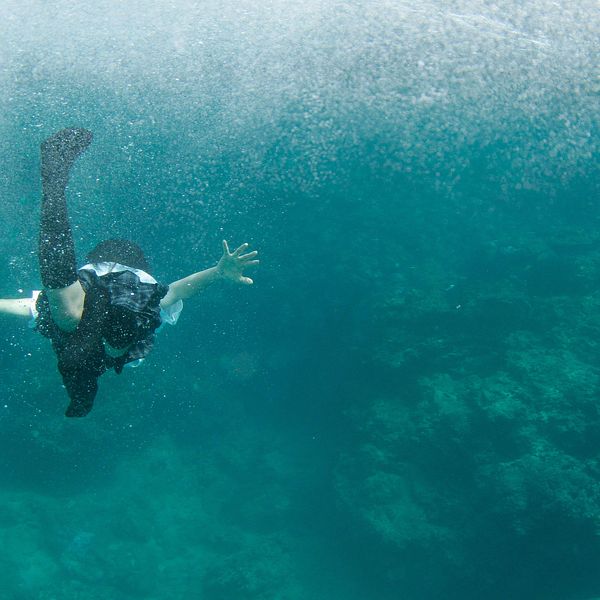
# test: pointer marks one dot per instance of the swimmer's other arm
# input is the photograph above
(230, 267)
(66, 305)
(19, 307)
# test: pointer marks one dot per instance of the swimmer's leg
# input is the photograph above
(82, 388)
(56, 250)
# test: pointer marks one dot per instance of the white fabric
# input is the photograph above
(32, 309)
(171, 313)
(104, 268)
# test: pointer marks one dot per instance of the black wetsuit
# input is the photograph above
(109, 299)
(115, 304)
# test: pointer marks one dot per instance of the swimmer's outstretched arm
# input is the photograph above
(230, 267)
(20, 307)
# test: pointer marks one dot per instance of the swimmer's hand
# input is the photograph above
(231, 265)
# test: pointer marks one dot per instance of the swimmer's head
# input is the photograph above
(120, 251)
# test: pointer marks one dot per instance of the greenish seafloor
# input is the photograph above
(405, 404)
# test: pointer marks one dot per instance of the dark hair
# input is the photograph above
(121, 251)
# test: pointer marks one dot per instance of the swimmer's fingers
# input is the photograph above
(239, 250)
(246, 281)
(249, 256)
(226, 248)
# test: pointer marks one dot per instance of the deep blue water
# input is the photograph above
(405, 404)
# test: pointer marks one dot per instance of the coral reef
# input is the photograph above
(488, 427)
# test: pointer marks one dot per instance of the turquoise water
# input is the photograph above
(405, 404)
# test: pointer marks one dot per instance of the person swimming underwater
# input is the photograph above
(105, 314)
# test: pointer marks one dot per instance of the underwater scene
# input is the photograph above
(405, 405)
